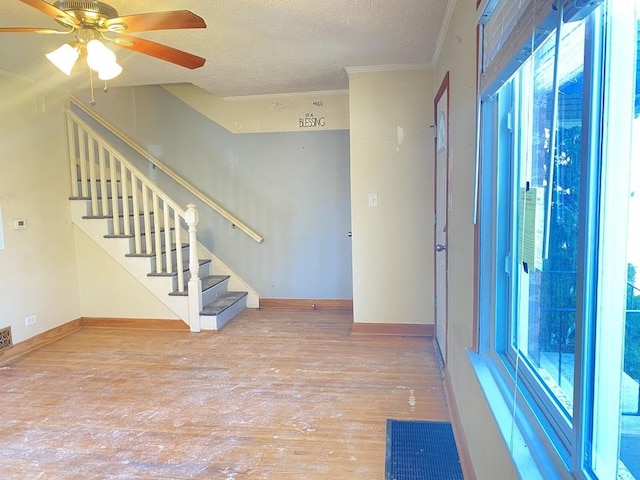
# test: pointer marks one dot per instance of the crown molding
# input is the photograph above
(389, 68)
(442, 36)
(268, 96)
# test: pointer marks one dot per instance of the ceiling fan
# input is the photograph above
(92, 21)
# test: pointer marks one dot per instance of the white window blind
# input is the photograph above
(512, 29)
(499, 25)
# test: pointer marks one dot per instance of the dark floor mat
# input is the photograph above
(418, 450)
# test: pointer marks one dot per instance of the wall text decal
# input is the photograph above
(311, 121)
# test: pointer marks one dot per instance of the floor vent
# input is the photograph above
(5, 339)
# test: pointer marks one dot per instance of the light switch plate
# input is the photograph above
(19, 224)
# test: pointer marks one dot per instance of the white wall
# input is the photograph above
(108, 290)
(489, 454)
(37, 265)
(392, 157)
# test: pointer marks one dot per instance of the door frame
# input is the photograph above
(440, 302)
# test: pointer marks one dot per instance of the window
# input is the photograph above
(560, 223)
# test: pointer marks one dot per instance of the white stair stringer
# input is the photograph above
(138, 267)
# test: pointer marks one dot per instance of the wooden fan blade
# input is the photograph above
(53, 12)
(31, 30)
(157, 50)
(155, 21)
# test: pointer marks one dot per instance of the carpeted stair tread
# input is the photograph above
(221, 303)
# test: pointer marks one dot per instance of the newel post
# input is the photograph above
(195, 284)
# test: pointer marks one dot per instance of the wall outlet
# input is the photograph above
(30, 320)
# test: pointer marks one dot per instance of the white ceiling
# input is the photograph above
(252, 47)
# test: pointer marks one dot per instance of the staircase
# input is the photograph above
(147, 233)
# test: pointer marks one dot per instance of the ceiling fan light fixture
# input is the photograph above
(109, 71)
(99, 57)
(64, 58)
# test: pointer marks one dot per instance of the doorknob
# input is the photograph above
(440, 247)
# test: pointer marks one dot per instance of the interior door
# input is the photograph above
(441, 109)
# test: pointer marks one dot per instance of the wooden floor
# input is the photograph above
(277, 394)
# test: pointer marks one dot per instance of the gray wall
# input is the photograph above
(292, 188)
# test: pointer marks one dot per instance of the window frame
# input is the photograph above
(555, 451)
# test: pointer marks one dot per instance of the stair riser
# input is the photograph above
(143, 240)
(163, 257)
(109, 210)
(202, 272)
(98, 186)
(216, 322)
(214, 292)
(141, 222)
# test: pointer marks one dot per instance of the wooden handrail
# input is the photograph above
(173, 175)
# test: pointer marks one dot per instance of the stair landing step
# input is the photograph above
(221, 303)
(208, 282)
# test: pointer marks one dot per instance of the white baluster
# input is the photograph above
(73, 155)
(103, 182)
(124, 190)
(147, 220)
(93, 185)
(177, 228)
(167, 237)
(195, 284)
(84, 139)
(135, 193)
(157, 234)
(115, 213)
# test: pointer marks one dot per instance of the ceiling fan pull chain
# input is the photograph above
(93, 100)
(106, 87)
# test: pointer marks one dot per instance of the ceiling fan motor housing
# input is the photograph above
(89, 12)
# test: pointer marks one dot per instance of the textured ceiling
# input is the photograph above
(252, 47)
